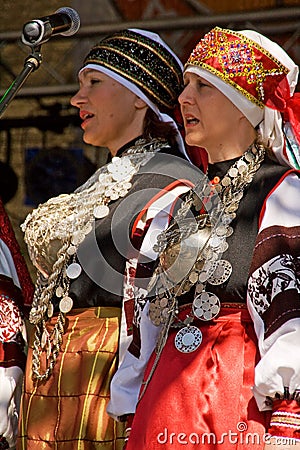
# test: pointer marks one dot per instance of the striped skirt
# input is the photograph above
(68, 411)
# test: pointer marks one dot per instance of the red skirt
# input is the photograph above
(203, 399)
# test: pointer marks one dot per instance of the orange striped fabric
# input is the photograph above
(68, 411)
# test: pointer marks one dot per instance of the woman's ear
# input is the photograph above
(139, 103)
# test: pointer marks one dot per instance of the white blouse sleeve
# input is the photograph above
(274, 293)
(126, 383)
(7, 266)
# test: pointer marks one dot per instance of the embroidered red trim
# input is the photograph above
(285, 420)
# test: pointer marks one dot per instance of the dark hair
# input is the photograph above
(155, 128)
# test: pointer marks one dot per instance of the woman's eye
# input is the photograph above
(95, 80)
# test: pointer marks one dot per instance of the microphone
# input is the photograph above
(65, 21)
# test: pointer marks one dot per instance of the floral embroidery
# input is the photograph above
(10, 319)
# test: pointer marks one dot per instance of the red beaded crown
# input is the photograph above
(245, 65)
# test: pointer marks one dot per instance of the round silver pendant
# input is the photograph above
(206, 306)
(73, 270)
(215, 241)
(188, 339)
(221, 273)
(101, 211)
(71, 250)
(221, 230)
(66, 304)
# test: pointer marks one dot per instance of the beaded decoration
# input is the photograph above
(53, 233)
(243, 64)
(142, 61)
(197, 248)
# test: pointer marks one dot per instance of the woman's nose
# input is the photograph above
(185, 96)
(78, 98)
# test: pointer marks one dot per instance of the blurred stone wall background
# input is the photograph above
(40, 123)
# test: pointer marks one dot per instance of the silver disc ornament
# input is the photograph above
(66, 304)
(73, 270)
(222, 272)
(188, 339)
(101, 211)
(206, 306)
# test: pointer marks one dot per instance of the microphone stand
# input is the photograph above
(32, 63)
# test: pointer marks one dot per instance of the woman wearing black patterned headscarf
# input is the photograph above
(85, 244)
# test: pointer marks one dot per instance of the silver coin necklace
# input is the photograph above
(209, 267)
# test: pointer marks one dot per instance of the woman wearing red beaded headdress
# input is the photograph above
(225, 319)
(80, 243)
